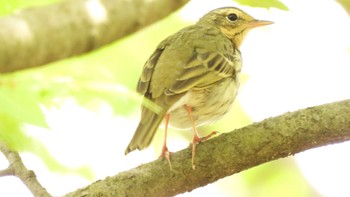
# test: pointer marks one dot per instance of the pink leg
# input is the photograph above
(196, 138)
(165, 153)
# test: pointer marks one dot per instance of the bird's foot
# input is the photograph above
(208, 136)
(166, 154)
(197, 139)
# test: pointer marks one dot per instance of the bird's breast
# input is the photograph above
(208, 104)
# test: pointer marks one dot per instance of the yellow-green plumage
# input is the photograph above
(198, 66)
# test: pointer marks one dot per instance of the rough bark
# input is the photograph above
(231, 153)
(36, 36)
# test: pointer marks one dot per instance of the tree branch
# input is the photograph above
(6, 172)
(17, 168)
(231, 153)
(345, 4)
(37, 36)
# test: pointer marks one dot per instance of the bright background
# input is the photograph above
(91, 110)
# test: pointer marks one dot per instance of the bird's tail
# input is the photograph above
(145, 131)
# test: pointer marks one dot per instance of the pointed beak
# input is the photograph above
(258, 23)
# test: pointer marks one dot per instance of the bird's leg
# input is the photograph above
(196, 137)
(165, 153)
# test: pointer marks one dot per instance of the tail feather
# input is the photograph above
(145, 131)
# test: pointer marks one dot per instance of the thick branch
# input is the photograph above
(37, 36)
(18, 169)
(231, 153)
(345, 4)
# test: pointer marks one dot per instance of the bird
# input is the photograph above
(193, 76)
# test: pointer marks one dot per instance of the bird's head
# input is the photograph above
(232, 22)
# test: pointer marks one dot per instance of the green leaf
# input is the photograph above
(11, 132)
(39, 149)
(9, 6)
(20, 103)
(13, 135)
(263, 4)
(121, 99)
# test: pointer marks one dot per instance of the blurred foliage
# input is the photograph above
(23, 110)
(9, 6)
(263, 4)
(277, 178)
(108, 75)
(13, 135)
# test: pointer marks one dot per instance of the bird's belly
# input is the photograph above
(208, 104)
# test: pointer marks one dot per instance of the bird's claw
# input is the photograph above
(166, 154)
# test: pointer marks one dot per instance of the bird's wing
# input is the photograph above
(148, 68)
(183, 62)
(204, 68)
(150, 117)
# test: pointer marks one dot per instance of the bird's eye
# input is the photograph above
(232, 17)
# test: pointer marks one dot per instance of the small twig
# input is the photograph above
(17, 168)
(6, 172)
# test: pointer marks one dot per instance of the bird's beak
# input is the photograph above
(258, 23)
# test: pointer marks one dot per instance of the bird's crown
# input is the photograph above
(233, 22)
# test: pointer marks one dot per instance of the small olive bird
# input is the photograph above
(193, 75)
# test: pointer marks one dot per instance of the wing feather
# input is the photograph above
(148, 69)
(205, 68)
